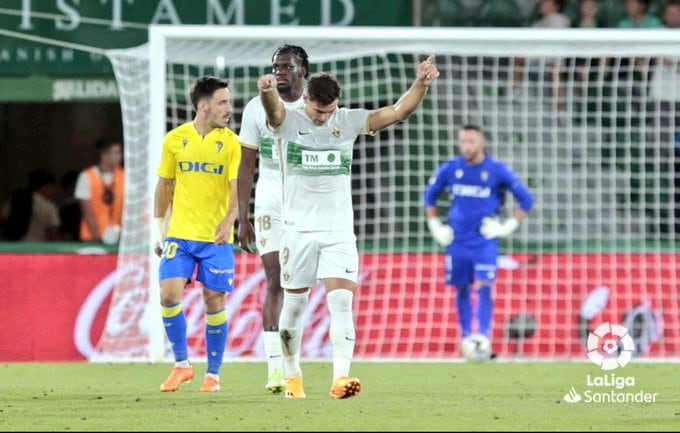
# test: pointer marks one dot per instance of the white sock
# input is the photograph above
(272, 350)
(214, 376)
(341, 333)
(183, 364)
(290, 329)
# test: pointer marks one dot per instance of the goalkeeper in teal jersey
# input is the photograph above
(477, 184)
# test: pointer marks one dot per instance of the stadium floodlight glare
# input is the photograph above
(586, 117)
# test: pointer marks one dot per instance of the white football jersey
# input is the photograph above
(317, 191)
(255, 135)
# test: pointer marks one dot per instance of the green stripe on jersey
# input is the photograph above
(269, 153)
(318, 162)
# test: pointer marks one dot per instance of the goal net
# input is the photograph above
(588, 119)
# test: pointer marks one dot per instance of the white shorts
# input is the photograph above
(308, 256)
(267, 232)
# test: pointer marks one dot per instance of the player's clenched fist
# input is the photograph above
(266, 83)
(427, 71)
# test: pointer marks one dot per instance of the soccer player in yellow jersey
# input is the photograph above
(197, 173)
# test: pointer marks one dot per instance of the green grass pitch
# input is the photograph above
(394, 397)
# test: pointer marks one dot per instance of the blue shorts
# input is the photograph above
(215, 263)
(465, 264)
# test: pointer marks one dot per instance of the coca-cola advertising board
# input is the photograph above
(55, 306)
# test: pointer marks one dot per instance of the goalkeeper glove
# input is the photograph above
(441, 233)
(493, 228)
(157, 233)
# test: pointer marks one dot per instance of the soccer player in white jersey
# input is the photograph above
(317, 234)
(290, 67)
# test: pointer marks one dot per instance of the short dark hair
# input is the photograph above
(471, 127)
(204, 87)
(323, 88)
(104, 144)
(295, 51)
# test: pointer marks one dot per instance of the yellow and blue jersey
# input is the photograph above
(202, 168)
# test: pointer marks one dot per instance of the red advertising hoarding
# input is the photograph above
(41, 298)
(55, 305)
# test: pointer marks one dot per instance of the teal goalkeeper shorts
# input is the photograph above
(215, 263)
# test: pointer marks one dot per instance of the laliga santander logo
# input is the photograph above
(610, 346)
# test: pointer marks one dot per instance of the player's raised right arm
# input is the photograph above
(408, 102)
(271, 102)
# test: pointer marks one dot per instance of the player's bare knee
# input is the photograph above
(170, 299)
(213, 301)
(170, 296)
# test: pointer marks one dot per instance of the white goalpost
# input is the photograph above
(589, 119)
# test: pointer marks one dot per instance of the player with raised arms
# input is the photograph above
(317, 239)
